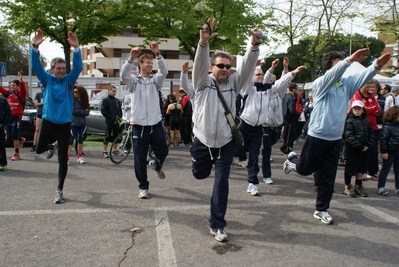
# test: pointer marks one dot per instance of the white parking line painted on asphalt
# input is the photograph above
(380, 214)
(166, 252)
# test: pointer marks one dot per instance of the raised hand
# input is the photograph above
(206, 32)
(297, 70)
(275, 63)
(73, 40)
(134, 53)
(38, 38)
(359, 55)
(154, 47)
(185, 67)
(19, 76)
(382, 60)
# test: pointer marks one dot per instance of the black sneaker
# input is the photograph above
(33, 149)
(105, 155)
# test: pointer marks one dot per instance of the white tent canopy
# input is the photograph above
(356, 67)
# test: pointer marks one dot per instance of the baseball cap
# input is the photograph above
(357, 103)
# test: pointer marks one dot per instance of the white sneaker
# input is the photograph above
(220, 234)
(252, 189)
(323, 216)
(160, 173)
(81, 160)
(144, 194)
(242, 164)
(288, 166)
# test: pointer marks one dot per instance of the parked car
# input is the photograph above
(95, 123)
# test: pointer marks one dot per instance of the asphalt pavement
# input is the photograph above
(104, 223)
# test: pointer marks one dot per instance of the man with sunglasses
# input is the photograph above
(57, 110)
(213, 143)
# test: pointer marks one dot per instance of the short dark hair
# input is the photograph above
(16, 82)
(388, 87)
(182, 91)
(217, 54)
(292, 86)
(329, 57)
(56, 60)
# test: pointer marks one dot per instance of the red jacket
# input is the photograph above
(371, 105)
(15, 99)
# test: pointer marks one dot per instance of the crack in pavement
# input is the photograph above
(133, 231)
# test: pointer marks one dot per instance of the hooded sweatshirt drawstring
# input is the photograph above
(210, 153)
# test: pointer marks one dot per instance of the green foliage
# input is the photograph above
(92, 21)
(13, 54)
(305, 55)
(180, 18)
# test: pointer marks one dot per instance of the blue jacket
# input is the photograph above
(331, 96)
(57, 93)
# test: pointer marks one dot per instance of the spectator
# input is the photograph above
(321, 149)
(389, 147)
(213, 144)
(80, 110)
(57, 111)
(5, 115)
(366, 95)
(390, 99)
(290, 116)
(16, 99)
(146, 117)
(359, 137)
(174, 111)
(39, 112)
(111, 110)
(165, 106)
(186, 128)
(127, 106)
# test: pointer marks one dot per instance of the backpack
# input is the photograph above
(275, 113)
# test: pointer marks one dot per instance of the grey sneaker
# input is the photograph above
(323, 216)
(144, 194)
(288, 166)
(219, 233)
(359, 190)
(51, 152)
(58, 197)
(160, 173)
(382, 191)
(252, 189)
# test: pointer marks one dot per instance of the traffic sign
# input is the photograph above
(3, 69)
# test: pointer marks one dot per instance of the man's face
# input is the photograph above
(373, 88)
(384, 91)
(59, 70)
(112, 92)
(258, 76)
(13, 86)
(146, 66)
(220, 69)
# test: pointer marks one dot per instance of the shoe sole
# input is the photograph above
(323, 221)
(384, 194)
(59, 201)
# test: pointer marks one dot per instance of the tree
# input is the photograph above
(92, 21)
(341, 42)
(180, 18)
(13, 54)
(319, 20)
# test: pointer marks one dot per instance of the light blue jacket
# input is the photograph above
(57, 93)
(331, 96)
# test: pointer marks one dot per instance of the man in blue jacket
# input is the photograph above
(57, 108)
(322, 146)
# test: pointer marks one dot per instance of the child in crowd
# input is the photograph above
(389, 148)
(359, 137)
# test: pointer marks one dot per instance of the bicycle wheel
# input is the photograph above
(123, 148)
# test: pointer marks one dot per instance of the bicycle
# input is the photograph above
(123, 142)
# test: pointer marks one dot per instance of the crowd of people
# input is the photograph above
(353, 114)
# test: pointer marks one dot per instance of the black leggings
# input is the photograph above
(62, 134)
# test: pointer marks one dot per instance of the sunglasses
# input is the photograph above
(75, 92)
(259, 74)
(222, 66)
